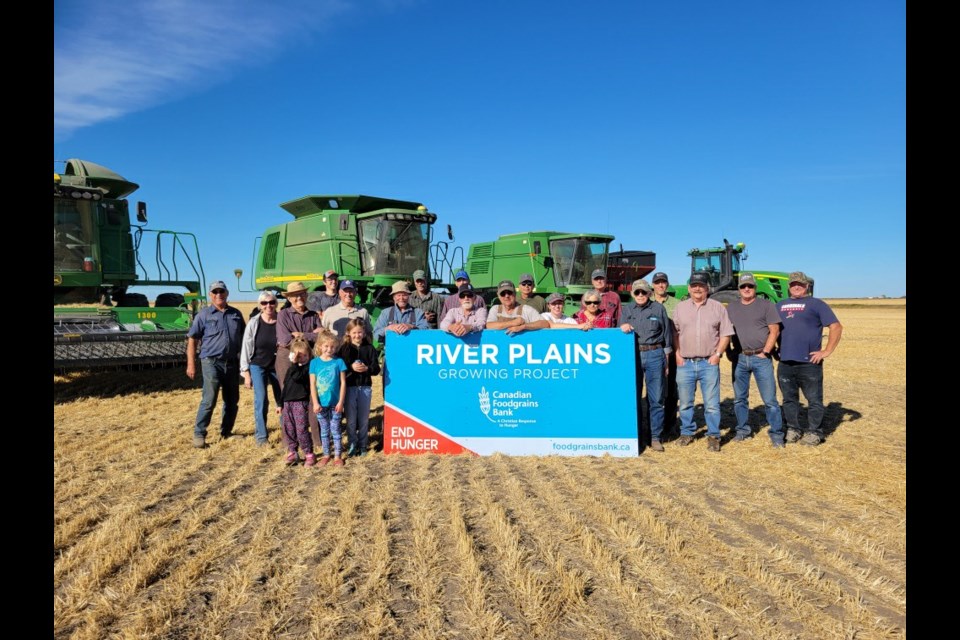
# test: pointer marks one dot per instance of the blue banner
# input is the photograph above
(538, 392)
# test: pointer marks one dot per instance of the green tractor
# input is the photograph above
(373, 241)
(723, 266)
(560, 262)
(98, 255)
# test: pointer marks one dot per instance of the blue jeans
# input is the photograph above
(762, 369)
(708, 375)
(357, 408)
(262, 378)
(218, 376)
(797, 376)
(652, 366)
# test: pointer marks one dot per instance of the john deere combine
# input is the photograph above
(559, 262)
(373, 241)
(97, 257)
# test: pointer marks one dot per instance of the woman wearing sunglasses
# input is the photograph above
(257, 359)
(592, 315)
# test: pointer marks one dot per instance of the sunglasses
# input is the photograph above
(466, 295)
(748, 286)
(526, 284)
(557, 303)
(506, 293)
(641, 292)
(592, 302)
(218, 291)
(271, 303)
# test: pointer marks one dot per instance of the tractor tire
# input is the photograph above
(133, 300)
(168, 300)
(725, 297)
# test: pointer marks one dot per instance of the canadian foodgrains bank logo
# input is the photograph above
(505, 408)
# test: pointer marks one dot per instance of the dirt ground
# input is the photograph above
(155, 539)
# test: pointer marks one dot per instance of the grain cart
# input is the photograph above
(98, 256)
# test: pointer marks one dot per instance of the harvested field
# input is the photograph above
(155, 539)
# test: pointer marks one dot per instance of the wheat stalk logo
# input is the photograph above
(485, 404)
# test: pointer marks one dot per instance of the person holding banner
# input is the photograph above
(592, 316)
(647, 319)
(452, 302)
(467, 318)
(556, 317)
(401, 317)
(510, 314)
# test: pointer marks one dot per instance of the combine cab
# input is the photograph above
(373, 241)
(97, 257)
(723, 266)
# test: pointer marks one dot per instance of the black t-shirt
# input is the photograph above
(265, 345)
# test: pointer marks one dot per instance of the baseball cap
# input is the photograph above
(419, 274)
(746, 278)
(660, 275)
(525, 277)
(641, 284)
(465, 288)
(347, 284)
(553, 297)
(461, 275)
(218, 284)
(699, 278)
(505, 285)
(330, 274)
(598, 273)
(798, 276)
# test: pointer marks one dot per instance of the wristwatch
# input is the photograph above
(719, 354)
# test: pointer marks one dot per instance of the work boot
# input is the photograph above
(199, 442)
(777, 444)
(741, 437)
(684, 440)
(793, 435)
(656, 445)
(713, 443)
(810, 439)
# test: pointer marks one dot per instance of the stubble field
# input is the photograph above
(155, 539)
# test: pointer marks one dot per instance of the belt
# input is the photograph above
(697, 358)
(751, 352)
(649, 347)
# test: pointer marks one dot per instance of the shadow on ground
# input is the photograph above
(76, 385)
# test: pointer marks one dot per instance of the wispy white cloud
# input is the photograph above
(113, 57)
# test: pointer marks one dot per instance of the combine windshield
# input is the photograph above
(73, 233)
(574, 259)
(393, 247)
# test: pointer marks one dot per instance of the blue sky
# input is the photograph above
(667, 125)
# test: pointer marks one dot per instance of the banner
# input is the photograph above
(536, 393)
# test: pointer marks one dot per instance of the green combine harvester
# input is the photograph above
(98, 255)
(373, 241)
(723, 266)
(560, 262)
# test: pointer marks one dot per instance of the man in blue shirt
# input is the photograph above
(801, 357)
(647, 319)
(401, 317)
(219, 328)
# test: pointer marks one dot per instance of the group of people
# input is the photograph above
(681, 343)
(316, 358)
